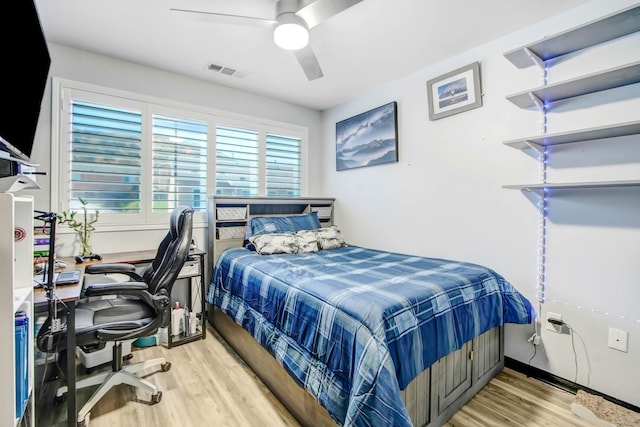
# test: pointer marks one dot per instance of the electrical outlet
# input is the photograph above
(534, 339)
(551, 326)
(618, 339)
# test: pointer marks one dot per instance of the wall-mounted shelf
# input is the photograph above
(592, 33)
(590, 134)
(542, 53)
(15, 183)
(539, 188)
(590, 83)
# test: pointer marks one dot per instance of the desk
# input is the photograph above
(69, 294)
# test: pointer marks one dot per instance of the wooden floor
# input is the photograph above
(208, 385)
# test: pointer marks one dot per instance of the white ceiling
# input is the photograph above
(369, 44)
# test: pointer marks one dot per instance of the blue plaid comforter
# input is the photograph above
(354, 326)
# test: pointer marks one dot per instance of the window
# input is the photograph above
(135, 158)
(106, 156)
(236, 161)
(283, 166)
(240, 163)
(179, 164)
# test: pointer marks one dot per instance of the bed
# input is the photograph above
(373, 337)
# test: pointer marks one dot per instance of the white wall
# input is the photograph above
(444, 198)
(82, 66)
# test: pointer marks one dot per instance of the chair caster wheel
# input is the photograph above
(59, 400)
(128, 356)
(83, 423)
(165, 366)
(156, 398)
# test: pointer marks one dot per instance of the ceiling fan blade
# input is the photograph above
(321, 10)
(309, 63)
(224, 18)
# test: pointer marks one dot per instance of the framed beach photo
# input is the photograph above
(455, 92)
(368, 139)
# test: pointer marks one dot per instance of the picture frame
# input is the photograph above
(368, 139)
(454, 92)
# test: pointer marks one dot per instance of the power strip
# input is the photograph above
(56, 325)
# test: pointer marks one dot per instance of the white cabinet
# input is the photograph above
(16, 295)
(593, 33)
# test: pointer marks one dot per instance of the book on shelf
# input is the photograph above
(41, 243)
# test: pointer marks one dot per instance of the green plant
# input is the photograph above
(83, 227)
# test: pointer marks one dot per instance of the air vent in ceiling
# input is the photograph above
(225, 70)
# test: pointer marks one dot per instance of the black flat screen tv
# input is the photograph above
(24, 70)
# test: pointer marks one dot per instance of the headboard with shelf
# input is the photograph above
(228, 217)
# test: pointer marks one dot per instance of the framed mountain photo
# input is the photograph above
(368, 139)
(455, 92)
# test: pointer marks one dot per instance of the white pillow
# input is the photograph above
(302, 241)
(275, 243)
(307, 241)
(330, 238)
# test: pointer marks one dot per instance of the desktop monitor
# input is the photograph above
(24, 70)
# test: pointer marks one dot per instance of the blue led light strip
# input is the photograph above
(543, 206)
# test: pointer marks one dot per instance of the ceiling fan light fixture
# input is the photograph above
(291, 32)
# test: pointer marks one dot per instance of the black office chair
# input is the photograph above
(137, 308)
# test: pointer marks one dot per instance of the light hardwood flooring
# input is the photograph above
(208, 385)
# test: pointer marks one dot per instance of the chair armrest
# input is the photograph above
(128, 331)
(109, 268)
(128, 269)
(159, 302)
(116, 288)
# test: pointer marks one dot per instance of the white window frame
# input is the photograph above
(62, 93)
(163, 218)
(263, 129)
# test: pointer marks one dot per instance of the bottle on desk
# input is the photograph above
(185, 322)
(177, 320)
(163, 336)
(193, 323)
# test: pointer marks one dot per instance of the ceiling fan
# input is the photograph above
(291, 24)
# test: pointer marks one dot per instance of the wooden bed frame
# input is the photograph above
(431, 398)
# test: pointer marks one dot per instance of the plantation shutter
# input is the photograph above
(179, 170)
(236, 161)
(283, 166)
(106, 158)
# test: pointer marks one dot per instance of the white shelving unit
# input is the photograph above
(543, 54)
(540, 188)
(591, 134)
(16, 267)
(612, 26)
(601, 30)
(12, 184)
(591, 83)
